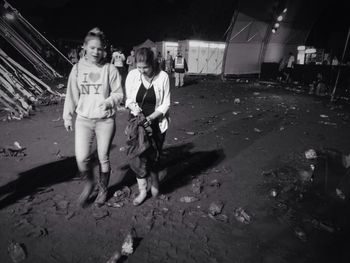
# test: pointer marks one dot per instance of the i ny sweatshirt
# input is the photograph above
(89, 85)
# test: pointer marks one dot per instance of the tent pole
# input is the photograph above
(341, 62)
(228, 37)
(29, 25)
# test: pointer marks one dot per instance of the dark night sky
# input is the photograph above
(130, 22)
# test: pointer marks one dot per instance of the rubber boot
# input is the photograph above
(142, 184)
(102, 184)
(154, 184)
(88, 188)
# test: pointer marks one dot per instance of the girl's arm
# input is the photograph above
(116, 95)
(163, 108)
(72, 98)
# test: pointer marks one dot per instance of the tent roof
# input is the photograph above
(147, 43)
(250, 41)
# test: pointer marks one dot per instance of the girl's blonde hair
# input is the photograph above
(96, 33)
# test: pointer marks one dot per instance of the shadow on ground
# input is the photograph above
(180, 164)
(37, 179)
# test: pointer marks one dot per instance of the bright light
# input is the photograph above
(310, 51)
(273, 30)
(216, 45)
(285, 10)
(168, 43)
(194, 43)
(9, 16)
(279, 18)
(277, 25)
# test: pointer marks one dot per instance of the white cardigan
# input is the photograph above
(161, 88)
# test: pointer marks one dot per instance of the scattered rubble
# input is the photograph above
(115, 257)
(300, 234)
(121, 195)
(56, 120)
(242, 216)
(257, 130)
(30, 230)
(215, 183)
(62, 207)
(220, 218)
(100, 213)
(310, 154)
(340, 194)
(16, 251)
(273, 192)
(307, 184)
(15, 150)
(197, 186)
(215, 208)
(188, 199)
(128, 246)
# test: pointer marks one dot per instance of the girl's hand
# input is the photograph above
(135, 109)
(68, 126)
(104, 106)
(148, 122)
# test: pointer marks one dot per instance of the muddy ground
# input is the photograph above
(246, 154)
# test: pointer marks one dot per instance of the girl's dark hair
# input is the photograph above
(96, 33)
(146, 55)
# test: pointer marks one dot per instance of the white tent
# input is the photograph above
(164, 46)
(147, 43)
(250, 40)
(203, 57)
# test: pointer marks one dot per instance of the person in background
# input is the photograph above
(50, 56)
(169, 63)
(81, 51)
(286, 67)
(318, 86)
(161, 61)
(148, 95)
(130, 61)
(73, 56)
(93, 92)
(118, 59)
(180, 68)
(335, 61)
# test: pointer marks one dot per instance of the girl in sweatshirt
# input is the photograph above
(93, 92)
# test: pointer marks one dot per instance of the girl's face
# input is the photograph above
(144, 69)
(94, 50)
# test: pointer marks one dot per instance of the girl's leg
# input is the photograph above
(142, 185)
(155, 164)
(105, 131)
(84, 137)
(154, 183)
(139, 166)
